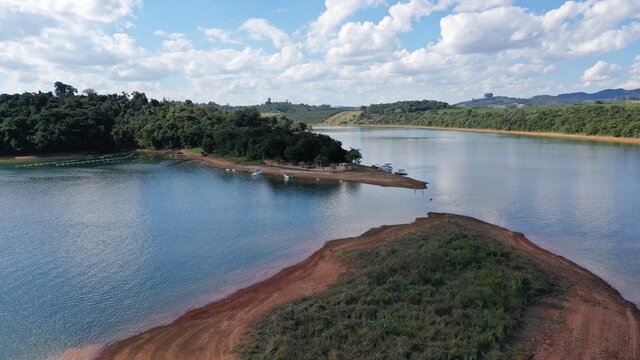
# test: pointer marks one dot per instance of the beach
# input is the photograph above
(588, 320)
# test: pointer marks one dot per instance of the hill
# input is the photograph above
(310, 114)
(618, 120)
(608, 95)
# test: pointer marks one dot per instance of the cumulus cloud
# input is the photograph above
(344, 55)
(336, 13)
(220, 35)
(600, 73)
(475, 5)
(494, 30)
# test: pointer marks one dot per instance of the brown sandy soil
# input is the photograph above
(589, 321)
(361, 174)
(599, 138)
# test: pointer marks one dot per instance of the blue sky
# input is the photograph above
(347, 52)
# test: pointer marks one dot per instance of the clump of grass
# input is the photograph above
(446, 293)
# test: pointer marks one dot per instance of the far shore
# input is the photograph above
(599, 138)
(359, 174)
(589, 319)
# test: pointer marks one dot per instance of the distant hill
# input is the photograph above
(310, 114)
(609, 95)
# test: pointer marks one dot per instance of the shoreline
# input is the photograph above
(361, 174)
(571, 325)
(598, 138)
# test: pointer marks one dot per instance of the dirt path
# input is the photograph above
(590, 321)
(361, 174)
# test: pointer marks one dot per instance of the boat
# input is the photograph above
(227, 170)
(287, 177)
(386, 168)
(400, 172)
(257, 172)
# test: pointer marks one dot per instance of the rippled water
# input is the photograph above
(579, 199)
(92, 252)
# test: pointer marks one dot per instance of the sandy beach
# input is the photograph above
(360, 174)
(611, 139)
(590, 320)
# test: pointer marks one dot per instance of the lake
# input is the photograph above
(96, 250)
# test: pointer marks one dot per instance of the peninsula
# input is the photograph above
(557, 310)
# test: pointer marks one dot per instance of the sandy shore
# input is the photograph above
(361, 174)
(611, 139)
(589, 321)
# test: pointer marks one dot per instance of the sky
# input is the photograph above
(339, 52)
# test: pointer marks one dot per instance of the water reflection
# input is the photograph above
(577, 198)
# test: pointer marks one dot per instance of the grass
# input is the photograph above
(345, 117)
(448, 293)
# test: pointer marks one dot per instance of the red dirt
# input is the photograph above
(590, 320)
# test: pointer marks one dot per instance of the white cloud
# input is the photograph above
(174, 41)
(493, 30)
(359, 42)
(336, 13)
(633, 81)
(260, 29)
(475, 5)
(601, 73)
(493, 45)
(220, 35)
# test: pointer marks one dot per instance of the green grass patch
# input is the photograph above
(446, 293)
(195, 150)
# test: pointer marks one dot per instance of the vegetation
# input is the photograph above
(310, 114)
(44, 122)
(608, 95)
(596, 119)
(443, 293)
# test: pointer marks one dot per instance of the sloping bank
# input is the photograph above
(505, 297)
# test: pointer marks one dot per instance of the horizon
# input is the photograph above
(355, 51)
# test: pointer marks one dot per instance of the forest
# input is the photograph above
(621, 120)
(63, 121)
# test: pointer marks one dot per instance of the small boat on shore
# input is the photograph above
(257, 172)
(400, 172)
(387, 168)
(287, 177)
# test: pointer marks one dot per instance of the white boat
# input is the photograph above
(400, 172)
(257, 173)
(227, 170)
(386, 168)
(287, 177)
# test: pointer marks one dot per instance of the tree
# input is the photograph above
(354, 156)
(89, 92)
(62, 90)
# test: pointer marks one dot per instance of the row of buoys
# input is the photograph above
(103, 159)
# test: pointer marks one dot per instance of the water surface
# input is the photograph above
(95, 251)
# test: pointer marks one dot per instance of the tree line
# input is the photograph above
(596, 119)
(36, 123)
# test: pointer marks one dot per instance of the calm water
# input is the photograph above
(92, 253)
